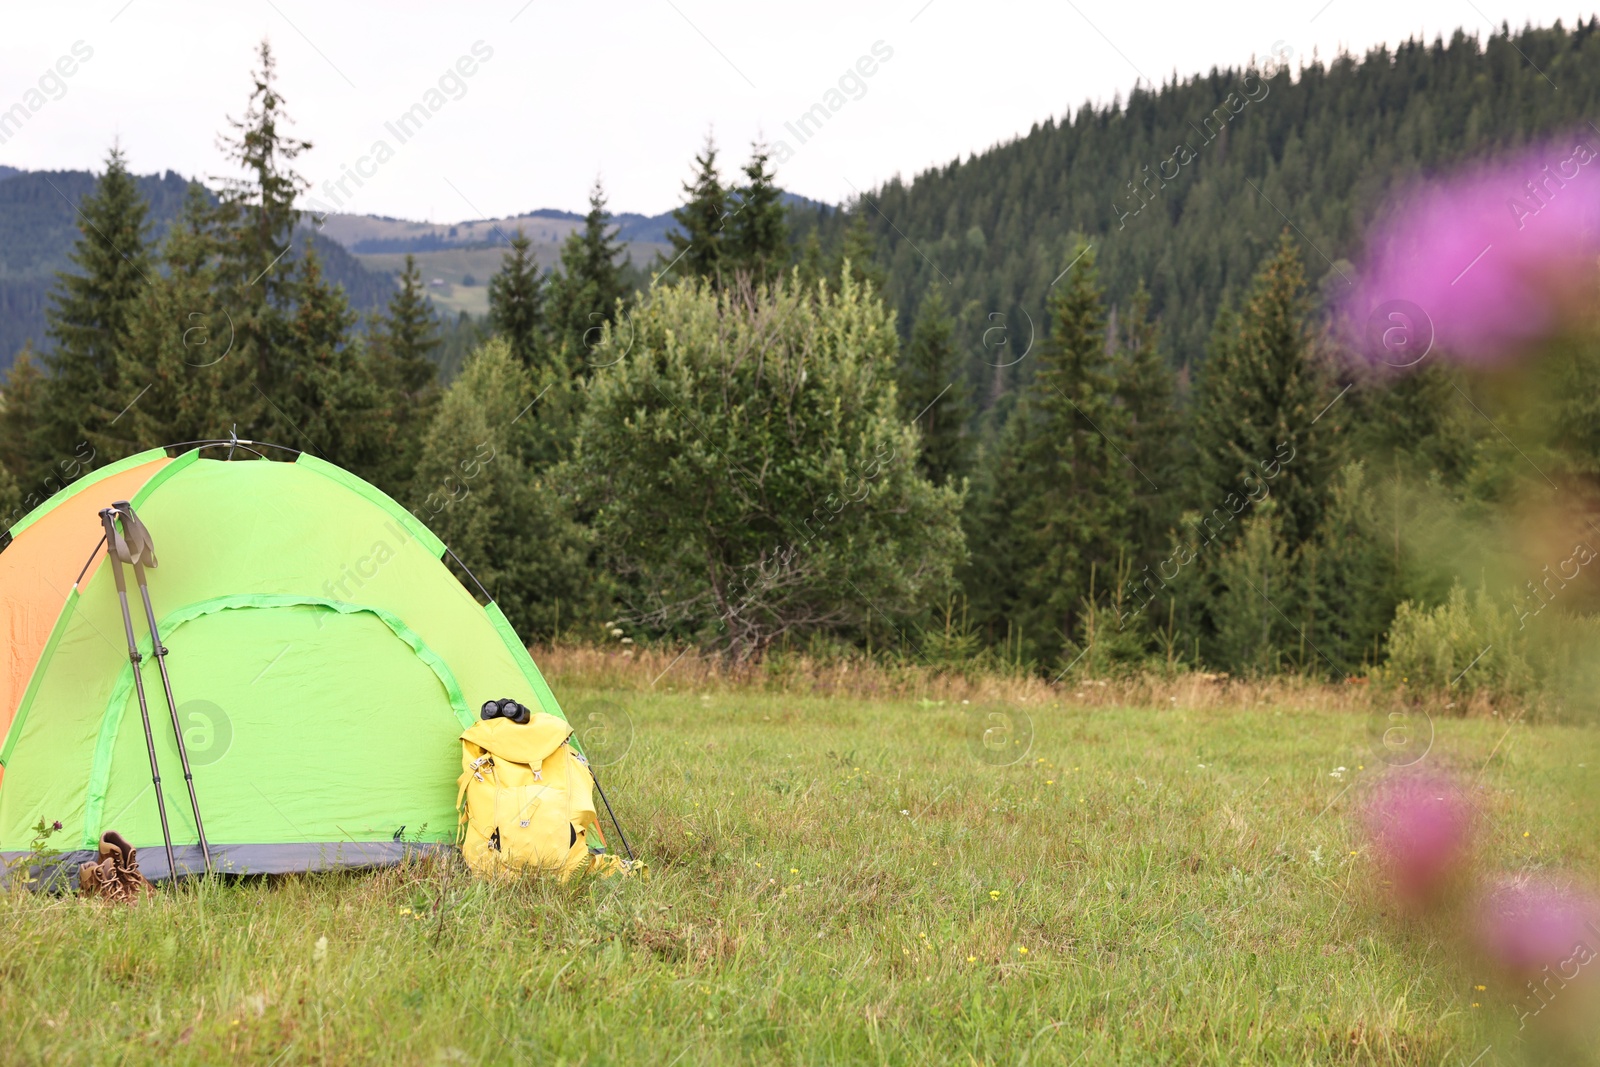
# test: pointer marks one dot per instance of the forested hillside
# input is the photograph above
(1072, 405)
(39, 222)
(1187, 186)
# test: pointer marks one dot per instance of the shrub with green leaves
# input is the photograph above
(1468, 643)
(748, 475)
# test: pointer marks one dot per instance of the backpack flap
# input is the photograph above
(531, 743)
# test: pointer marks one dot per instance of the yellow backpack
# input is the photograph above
(526, 800)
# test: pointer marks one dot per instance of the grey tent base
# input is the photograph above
(62, 871)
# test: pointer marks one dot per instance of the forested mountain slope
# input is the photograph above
(1188, 186)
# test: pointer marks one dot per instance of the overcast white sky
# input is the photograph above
(627, 89)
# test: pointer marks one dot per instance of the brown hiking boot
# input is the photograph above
(116, 876)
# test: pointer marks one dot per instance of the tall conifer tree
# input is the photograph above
(756, 236)
(516, 303)
(90, 311)
(1147, 390)
(698, 244)
(406, 375)
(584, 295)
(935, 394)
(1262, 395)
(256, 217)
(860, 250)
(181, 343)
(1076, 512)
(20, 407)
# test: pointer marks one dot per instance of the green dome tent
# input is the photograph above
(323, 662)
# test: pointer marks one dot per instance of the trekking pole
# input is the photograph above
(141, 550)
(614, 822)
(115, 549)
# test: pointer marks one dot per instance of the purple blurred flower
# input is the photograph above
(1526, 925)
(1419, 827)
(56, 825)
(1490, 256)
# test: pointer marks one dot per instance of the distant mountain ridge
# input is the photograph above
(39, 225)
(375, 234)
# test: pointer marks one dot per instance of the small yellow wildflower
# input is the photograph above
(994, 894)
(1049, 781)
(972, 959)
(1021, 951)
(1480, 988)
(794, 870)
(923, 936)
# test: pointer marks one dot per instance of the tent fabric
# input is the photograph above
(50, 546)
(323, 661)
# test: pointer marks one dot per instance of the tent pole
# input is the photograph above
(138, 682)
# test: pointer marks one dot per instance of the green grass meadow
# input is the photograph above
(838, 880)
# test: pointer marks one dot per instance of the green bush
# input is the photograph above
(749, 479)
(1469, 643)
(1477, 643)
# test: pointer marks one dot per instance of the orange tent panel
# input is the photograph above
(38, 569)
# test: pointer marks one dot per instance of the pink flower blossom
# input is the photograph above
(1490, 258)
(1419, 827)
(1526, 925)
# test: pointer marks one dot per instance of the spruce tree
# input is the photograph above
(332, 406)
(181, 344)
(1080, 484)
(1348, 586)
(256, 220)
(295, 374)
(698, 249)
(996, 575)
(933, 391)
(756, 236)
(1260, 397)
(859, 250)
(516, 303)
(89, 314)
(20, 406)
(585, 293)
(1147, 390)
(408, 336)
(406, 377)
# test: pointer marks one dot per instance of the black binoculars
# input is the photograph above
(506, 709)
